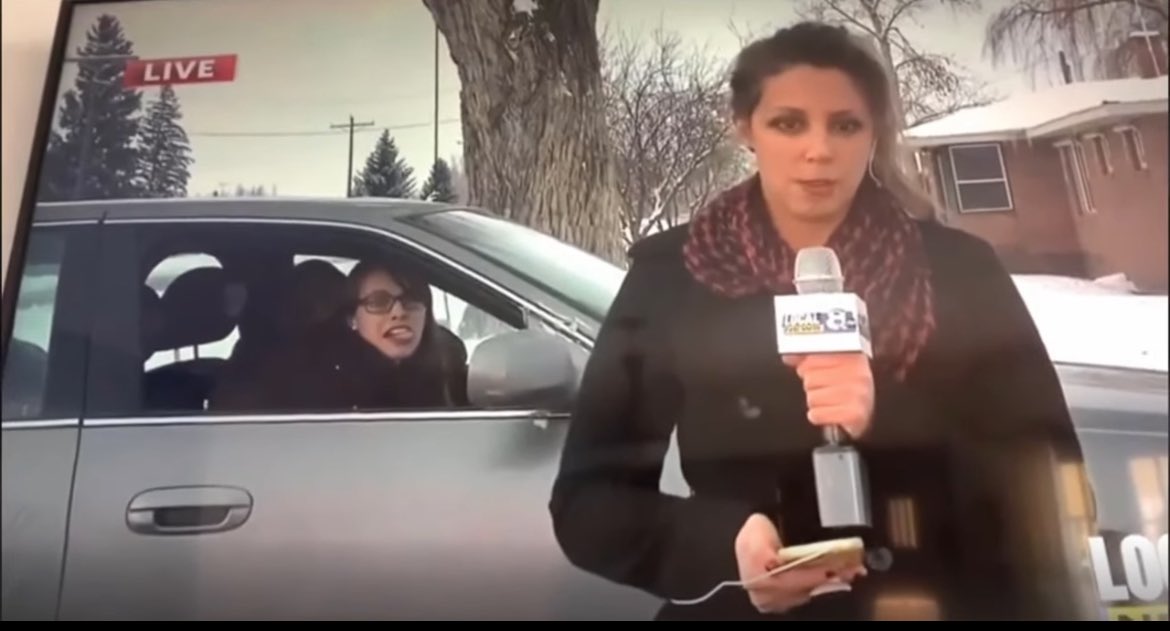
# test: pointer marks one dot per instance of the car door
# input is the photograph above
(1121, 418)
(342, 514)
(42, 388)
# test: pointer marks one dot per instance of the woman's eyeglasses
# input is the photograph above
(381, 301)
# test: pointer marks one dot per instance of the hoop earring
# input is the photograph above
(873, 176)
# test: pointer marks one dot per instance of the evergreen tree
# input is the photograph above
(164, 151)
(386, 174)
(91, 154)
(440, 186)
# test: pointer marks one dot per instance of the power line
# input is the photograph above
(295, 134)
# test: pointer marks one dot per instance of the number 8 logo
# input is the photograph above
(839, 320)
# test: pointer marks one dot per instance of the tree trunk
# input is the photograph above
(535, 144)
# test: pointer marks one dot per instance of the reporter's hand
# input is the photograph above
(756, 549)
(839, 389)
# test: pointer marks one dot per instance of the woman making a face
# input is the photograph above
(409, 360)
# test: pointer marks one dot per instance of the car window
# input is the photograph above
(470, 323)
(235, 318)
(27, 359)
(44, 359)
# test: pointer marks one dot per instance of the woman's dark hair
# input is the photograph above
(829, 46)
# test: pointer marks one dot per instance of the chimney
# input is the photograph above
(1065, 69)
(1148, 51)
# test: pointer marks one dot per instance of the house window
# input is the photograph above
(1131, 138)
(980, 179)
(944, 187)
(1076, 176)
(1100, 147)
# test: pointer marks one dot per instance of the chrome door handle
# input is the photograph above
(187, 510)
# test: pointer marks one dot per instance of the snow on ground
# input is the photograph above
(1100, 323)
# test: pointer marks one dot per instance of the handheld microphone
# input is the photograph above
(823, 318)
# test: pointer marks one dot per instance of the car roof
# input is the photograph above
(373, 211)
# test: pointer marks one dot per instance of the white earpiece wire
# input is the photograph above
(783, 568)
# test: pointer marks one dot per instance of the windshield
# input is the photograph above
(578, 278)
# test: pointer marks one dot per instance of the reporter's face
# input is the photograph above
(812, 133)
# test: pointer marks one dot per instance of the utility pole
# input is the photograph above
(436, 82)
(349, 172)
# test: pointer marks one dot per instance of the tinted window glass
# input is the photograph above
(44, 358)
(159, 281)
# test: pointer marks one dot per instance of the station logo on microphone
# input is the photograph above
(835, 320)
(822, 323)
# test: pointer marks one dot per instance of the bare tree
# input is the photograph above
(929, 84)
(669, 123)
(535, 143)
(1090, 33)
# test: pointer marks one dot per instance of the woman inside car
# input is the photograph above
(368, 341)
(409, 360)
(959, 419)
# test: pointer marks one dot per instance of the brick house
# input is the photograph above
(1070, 180)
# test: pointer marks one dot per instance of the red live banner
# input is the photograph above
(141, 73)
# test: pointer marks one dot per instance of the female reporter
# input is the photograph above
(959, 417)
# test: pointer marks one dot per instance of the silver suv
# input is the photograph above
(128, 495)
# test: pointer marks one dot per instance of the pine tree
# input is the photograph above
(164, 151)
(440, 186)
(91, 154)
(386, 174)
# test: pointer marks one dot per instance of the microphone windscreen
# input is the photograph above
(817, 271)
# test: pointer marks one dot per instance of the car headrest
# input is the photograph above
(199, 307)
(451, 346)
(153, 320)
(317, 294)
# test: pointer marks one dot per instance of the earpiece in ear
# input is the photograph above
(872, 154)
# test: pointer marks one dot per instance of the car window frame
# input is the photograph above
(119, 319)
(70, 328)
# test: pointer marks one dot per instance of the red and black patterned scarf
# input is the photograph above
(734, 250)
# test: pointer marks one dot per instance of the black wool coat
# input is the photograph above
(965, 458)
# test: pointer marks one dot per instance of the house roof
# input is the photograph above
(1045, 112)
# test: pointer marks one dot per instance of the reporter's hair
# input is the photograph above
(829, 46)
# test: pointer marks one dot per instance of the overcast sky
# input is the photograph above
(306, 64)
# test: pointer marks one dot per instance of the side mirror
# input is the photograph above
(528, 369)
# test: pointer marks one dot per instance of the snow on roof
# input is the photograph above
(1027, 111)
